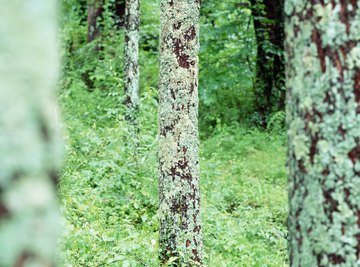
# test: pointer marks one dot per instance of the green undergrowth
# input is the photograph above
(109, 195)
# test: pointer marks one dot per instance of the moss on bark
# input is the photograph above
(131, 57)
(180, 220)
(323, 115)
(29, 151)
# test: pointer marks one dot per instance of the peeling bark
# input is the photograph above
(323, 117)
(29, 151)
(180, 220)
(131, 57)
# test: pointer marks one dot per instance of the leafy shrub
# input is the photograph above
(276, 122)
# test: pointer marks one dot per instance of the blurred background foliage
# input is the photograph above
(109, 193)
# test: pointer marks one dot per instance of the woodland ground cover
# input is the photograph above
(108, 186)
(109, 194)
(109, 180)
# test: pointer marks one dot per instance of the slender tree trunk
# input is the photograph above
(180, 220)
(95, 10)
(270, 67)
(265, 59)
(29, 217)
(131, 57)
(119, 13)
(278, 40)
(323, 107)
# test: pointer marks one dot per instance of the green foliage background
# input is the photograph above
(109, 193)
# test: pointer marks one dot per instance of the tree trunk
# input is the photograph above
(95, 10)
(323, 109)
(180, 220)
(278, 40)
(118, 10)
(29, 217)
(270, 70)
(131, 57)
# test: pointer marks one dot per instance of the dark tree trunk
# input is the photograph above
(118, 10)
(323, 117)
(279, 58)
(95, 10)
(269, 86)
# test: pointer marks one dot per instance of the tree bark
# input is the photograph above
(29, 154)
(323, 116)
(180, 220)
(131, 57)
(95, 11)
(270, 68)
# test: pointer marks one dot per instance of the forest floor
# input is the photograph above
(109, 194)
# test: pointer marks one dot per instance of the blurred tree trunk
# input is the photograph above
(323, 109)
(119, 13)
(270, 69)
(29, 217)
(131, 58)
(279, 57)
(180, 220)
(95, 11)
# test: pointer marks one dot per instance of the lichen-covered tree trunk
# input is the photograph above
(180, 220)
(270, 67)
(131, 57)
(323, 109)
(95, 11)
(29, 218)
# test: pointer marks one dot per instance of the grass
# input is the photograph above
(244, 199)
(109, 194)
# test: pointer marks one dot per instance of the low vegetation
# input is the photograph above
(109, 194)
(109, 186)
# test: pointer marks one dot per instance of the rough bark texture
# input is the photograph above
(29, 219)
(180, 230)
(95, 10)
(131, 57)
(270, 67)
(323, 107)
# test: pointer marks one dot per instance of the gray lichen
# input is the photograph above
(323, 115)
(131, 57)
(180, 219)
(29, 150)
